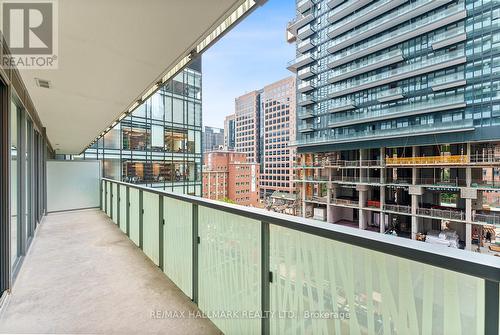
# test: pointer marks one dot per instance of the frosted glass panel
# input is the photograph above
(108, 198)
(123, 208)
(134, 215)
(114, 197)
(177, 243)
(230, 269)
(72, 185)
(366, 292)
(150, 224)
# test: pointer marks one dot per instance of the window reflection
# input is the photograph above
(158, 172)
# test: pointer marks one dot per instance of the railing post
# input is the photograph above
(118, 200)
(105, 197)
(195, 242)
(141, 219)
(161, 223)
(265, 278)
(101, 204)
(491, 307)
(111, 201)
(128, 212)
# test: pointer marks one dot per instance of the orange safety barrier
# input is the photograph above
(455, 159)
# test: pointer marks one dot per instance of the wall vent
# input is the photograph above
(42, 83)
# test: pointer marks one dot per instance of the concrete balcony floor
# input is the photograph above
(83, 275)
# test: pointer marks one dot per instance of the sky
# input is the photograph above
(250, 56)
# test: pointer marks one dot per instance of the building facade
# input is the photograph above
(278, 130)
(399, 114)
(227, 176)
(213, 138)
(159, 144)
(230, 132)
(247, 113)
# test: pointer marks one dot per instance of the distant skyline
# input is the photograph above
(255, 53)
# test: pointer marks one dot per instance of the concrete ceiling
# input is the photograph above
(110, 52)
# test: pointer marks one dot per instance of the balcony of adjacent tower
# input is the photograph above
(345, 9)
(304, 5)
(306, 100)
(306, 72)
(300, 21)
(306, 86)
(305, 45)
(301, 61)
(412, 30)
(364, 15)
(385, 23)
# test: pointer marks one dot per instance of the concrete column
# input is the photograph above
(363, 197)
(414, 218)
(468, 224)
(329, 218)
(303, 199)
(382, 163)
(362, 171)
(382, 213)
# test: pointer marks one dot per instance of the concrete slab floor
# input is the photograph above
(83, 275)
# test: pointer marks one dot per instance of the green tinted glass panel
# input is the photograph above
(151, 228)
(337, 288)
(114, 197)
(230, 269)
(177, 243)
(134, 215)
(123, 208)
(108, 198)
(103, 195)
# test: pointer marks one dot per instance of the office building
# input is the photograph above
(399, 115)
(230, 132)
(227, 176)
(213, 138)
(278, 130)
(159, 144)
(247, 113)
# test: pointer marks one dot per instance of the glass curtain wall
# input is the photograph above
(159, 144)
(27, 182)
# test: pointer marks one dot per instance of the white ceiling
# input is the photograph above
(110, 52)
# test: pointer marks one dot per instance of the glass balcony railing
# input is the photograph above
(369, 64)
(340, 106)
(305, 86)
(299, 21)
(390, 95)
(361, 16)
(345, 9)
(305, 45)
(305, 100)
(305, 31)
(300, 61)
(424, 66)
(398, 208)
(201, 244)
(427, 106)
(304, 5)
(306, 72)
(448, 81)
(305, 127)
(413, 130)
(413, 29)
(448, 37)
(305, 113)
(385, 22)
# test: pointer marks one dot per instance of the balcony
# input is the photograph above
(306, 72)
(341, 106)
(385, 23)
(364, 15)
(390, 95)
(487, 219)
(305, 113)
(305, 31)
(427, 65)
(452, 214)
(368, 65)
(416, 108)
(448, 38)
(306, 100)
(345, 9)
(301, 61)
(305, 86)
(345, 202)
(448, 81)
(304, 5)
(401, 209)
(305, 45)
(402, 34)
(300, 21)
(305, 127)
(334, 3)
(368, 135)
